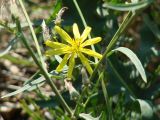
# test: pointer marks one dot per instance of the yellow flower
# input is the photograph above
(74, 47)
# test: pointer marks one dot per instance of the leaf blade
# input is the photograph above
(30, 86)
(8, 48)
(88, 116)
(132, 56)
(129, 6)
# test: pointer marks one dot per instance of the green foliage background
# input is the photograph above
(118, 93)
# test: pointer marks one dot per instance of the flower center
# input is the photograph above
(76, 45)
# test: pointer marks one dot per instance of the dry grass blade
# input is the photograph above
(9, 8)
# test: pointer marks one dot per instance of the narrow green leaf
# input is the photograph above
(17, 91)
(104, 89)
(36, 115)
(88, 116)
(30, 86)
(152, 26)
(8, 48)
(134, 60)
(11, 26)
(128, 6)
(56, 9)
(121, 79)
(18, 60)
(105, 93)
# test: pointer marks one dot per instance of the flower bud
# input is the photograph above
(72, 91)
(58, 19)
(45, 30)
(85, 79)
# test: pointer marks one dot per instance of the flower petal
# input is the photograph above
(54, 45)
(59, 51)
(76, 31)
(91, 53)
(63, 63)
(85, 33)
(63, 34)
(71, 65)
(85, 62)
(91, 41)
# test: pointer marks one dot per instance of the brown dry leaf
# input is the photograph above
(9, 8)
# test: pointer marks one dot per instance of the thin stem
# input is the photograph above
(105, 93)
(93, 90)
(121, 79)
(32, 32)
(80, 14)
(112, 43)
(84, 23)
(43, 71)
(3, 25)
(79, 100)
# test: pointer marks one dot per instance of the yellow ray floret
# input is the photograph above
(63, 63)
(55, 45)
(71, 65)
(85, 33)
(91, 41)
(74, 48)
(63, 34)
(76, 31)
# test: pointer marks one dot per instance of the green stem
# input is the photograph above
(32, 32)
(121, 79)
(43, 71)
(80, 14)
(93, 90)
(112, 43)
(105, 93)
(3, 25)
(79, 101)
(89, 98)
(84, 23)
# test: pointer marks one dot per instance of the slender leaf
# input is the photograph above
(30, 86)
(134, 60)
(120, 78)
(152, 25)
(36, 115)
(18, 60)
(88, 116)
(17, 91)
(129, 6)
(105, 93)
(146, 108)
(9, 47)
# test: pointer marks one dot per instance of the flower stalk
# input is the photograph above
(32, 32)
(43, 71)
(84, 23)
(114, 40)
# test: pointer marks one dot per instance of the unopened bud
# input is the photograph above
(85, 78)
(45, 30)
(58, 19)
(74, 95)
